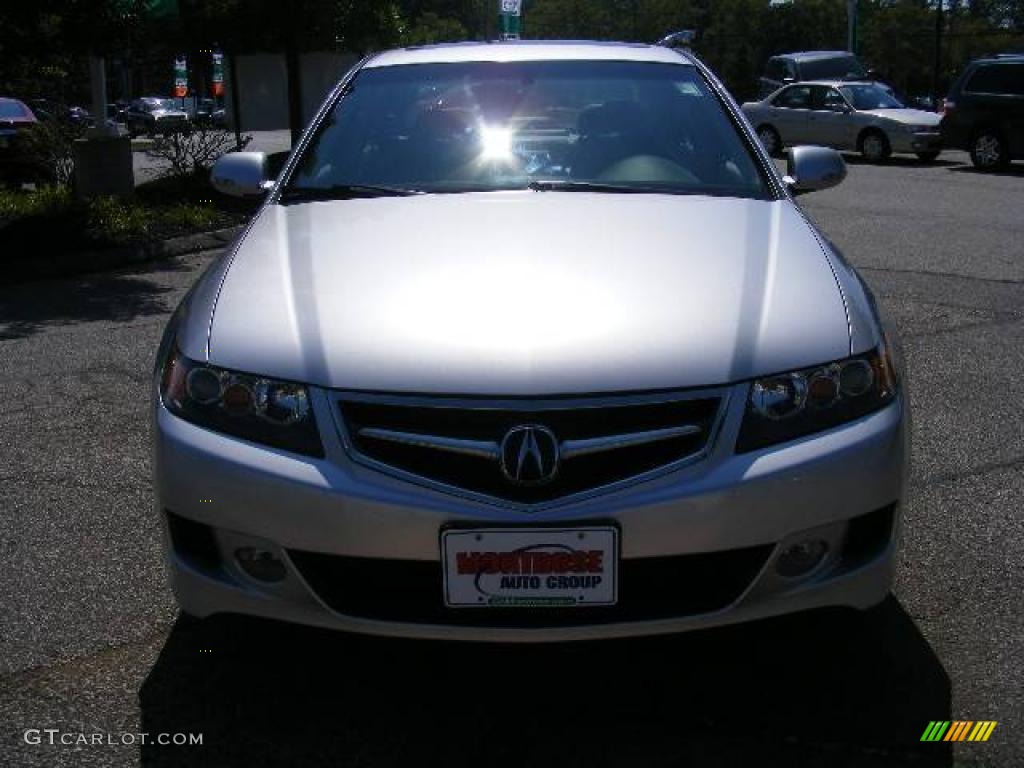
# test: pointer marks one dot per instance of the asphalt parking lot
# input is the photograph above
(90, 640)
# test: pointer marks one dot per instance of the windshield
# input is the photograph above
(575, 125)
(169, 104)
(13, 109)
(838, 68)
(870, 97)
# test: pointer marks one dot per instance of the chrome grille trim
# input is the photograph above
(528, 405)
(573, 448)
(481, 448)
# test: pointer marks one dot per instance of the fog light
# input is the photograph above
(801, 558)
(260, 564)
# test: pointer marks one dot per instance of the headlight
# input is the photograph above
(268, 411)
(791, 405)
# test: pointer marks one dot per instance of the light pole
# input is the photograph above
(851, 26)
(937, 68)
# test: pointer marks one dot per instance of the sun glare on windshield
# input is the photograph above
(496, 143)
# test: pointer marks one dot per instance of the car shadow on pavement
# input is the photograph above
(1014, 169)
(899, 161)
(118, 297)
(831, 688)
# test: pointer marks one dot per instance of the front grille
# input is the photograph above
(486, 424)
(410, 591)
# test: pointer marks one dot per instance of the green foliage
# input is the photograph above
(39, 202)
(115, 220)
(190, 216)
(736, 37)
(51, 144)
(43, 43)
(50, 218)
(126, 220)
(431, 28)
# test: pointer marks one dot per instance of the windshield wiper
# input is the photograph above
(343, 192)
(596, 186)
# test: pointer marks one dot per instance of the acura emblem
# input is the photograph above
(529, 455)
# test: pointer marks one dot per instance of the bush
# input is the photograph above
(41, 201)
(120, 220)
(50, 145)
(192, 153)
(115, 220)
(50, 219)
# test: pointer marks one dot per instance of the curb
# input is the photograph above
(79, 262)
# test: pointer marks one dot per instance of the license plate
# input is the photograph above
(530, 567)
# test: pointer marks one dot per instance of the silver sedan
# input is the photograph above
(529, 341)
(858, 117)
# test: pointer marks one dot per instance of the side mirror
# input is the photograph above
(809, 169)
(241, 174)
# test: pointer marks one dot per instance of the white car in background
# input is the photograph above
(860, 117)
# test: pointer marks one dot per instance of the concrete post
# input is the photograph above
(103, 160)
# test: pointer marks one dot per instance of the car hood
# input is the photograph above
(524, 293)
(168, 113)
(908, 116)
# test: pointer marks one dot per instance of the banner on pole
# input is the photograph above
(180, 77)
(217, 74)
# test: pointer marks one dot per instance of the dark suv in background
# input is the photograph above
(786, 68)
(984, 112)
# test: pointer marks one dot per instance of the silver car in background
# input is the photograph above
(153, 116)
(860, 117)
(528, 341)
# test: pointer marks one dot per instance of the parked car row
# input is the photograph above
(147, 115)
(153, 115)
(850, 110)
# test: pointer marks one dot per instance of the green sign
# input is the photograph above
(510, 17)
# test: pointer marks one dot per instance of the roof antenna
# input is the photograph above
(682, 39)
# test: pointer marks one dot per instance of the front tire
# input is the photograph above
(988, 151)
(927, 157)
(874, 147)
(770, 140)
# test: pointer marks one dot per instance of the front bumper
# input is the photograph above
(242, 495)
(919, 141)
